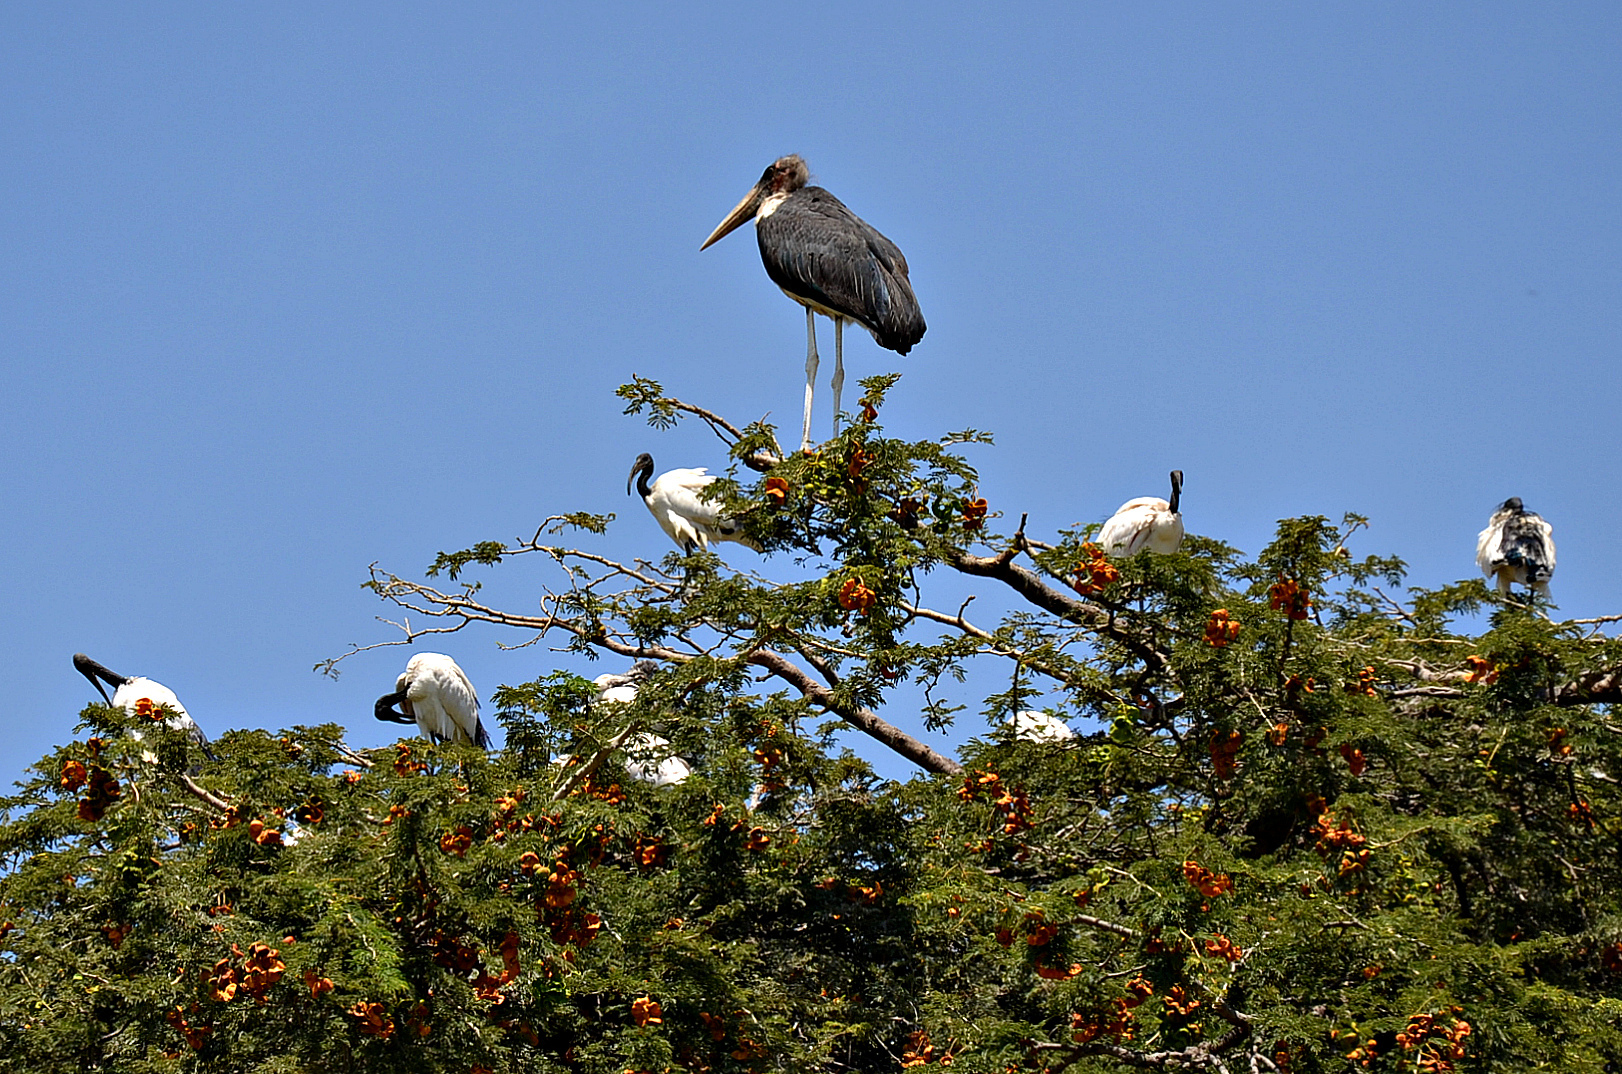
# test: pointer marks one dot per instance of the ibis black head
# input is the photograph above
(1176, 489)
(385, 711)
(784, 175)
(97, 674)
(1513, 505)
(642, 466)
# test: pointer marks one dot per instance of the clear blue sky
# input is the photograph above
(288, 289)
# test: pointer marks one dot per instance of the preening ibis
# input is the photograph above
(1516, 546)
(1146, 522)
(128, 692)
(830, 261)
(435, 694)
(1033, 726)
(673, 500)
(648, 759)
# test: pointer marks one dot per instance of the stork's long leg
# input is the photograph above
(839, 366)
(810, 373)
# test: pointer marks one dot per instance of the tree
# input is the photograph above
(1317, 826)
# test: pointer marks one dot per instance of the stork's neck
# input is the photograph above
(770, 205)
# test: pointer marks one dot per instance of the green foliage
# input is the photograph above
(1316, 824)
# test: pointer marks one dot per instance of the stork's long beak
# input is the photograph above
(740, 214)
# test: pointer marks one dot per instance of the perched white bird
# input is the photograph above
(435, 694)
(1033, 726)
(1146, 522)
(1516, 546)
(129, 692)
(648, 759)
(673, 500)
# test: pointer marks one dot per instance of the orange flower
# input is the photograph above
(319, 986)
(221, 981)
(1364, 686)
(1056, 973)
(373, 1018)
(457, 842)
(859, 461)
(1277, 733)
(1288, 597)
(645, 1011)
(758, 840)
(776, 491)
(1179, 1002)
(1481, 670)
(145, 709)
(715, 815)
(1139, 990)
(870, 412)
(1095, 573)
(74, 775)
(974, 514)
(1205, 881)
(1557, 743)
(1220, 629)
(1223, 947)
(1224, 746)
(1354, 758)
(855, 596)
(115, 934)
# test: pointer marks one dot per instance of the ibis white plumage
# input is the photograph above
(1516, 546)
(1146, 522)
(435, 694)
(129, 692)
(674, 501)
(830, 261)
(1033, 726)
(649, 759)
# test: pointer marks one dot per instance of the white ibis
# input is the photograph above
(1033, 726)
(129, 692)
(435, 694)
(647, 758)
(1146, 522)
(830, 261)
(673, 500)
(1516, 546)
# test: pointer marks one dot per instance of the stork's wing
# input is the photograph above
(819, 251)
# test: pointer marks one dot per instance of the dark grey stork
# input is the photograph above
(1516, 546)
(830, 261)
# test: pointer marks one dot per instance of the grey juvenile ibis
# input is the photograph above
(1516, 546)
(830, 261)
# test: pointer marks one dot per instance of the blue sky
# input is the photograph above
(289, 290)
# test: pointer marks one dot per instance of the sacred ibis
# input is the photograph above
(1146, 522)
(435, 694)
(673, 500)
(648, 759)
(129, 692)
(1516, 546)
(830, 261)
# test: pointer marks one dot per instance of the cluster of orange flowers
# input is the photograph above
(1278, 733)
(196, 1036)
(318, 986)
(457, 842)
(650, 852)
(1364, 686)
(1016, 809)
(1289, 597)
(372, 1018)
(1582, 813)
(261, 968)
(1354, 854)
(264, 834)
(1558, 746)
(920, 1050)
(776, 491)
(855, 596)
(860, 460)
(1113, 1022)
(1095, 573)
(1179, 1002)
(1205, 881)
(1481, 670)
(103, 790)
(1222, 947)
(311, 812)
(1224, 746)
(403, 764)
(1221, 629)
(974, 514)
(1437, 1044)
(116, 933)
(646, 1011)
(870, 410)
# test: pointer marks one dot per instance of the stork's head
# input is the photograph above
(643, 466)
(784, 176)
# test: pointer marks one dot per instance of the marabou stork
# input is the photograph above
(128, 692)
(646, 760)
(435, 694)
(830, 261)
(1146, 522)
(1516, 546)
(673, 500)
(1033, 726)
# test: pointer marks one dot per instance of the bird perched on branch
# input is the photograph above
(129, 692)
(648, 758)
(830, 261)
(435, 694)
(1516, 546)
(1033, 726)
(673, 500)
(1146, 522)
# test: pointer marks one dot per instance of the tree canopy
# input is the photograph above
(1317, 820)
